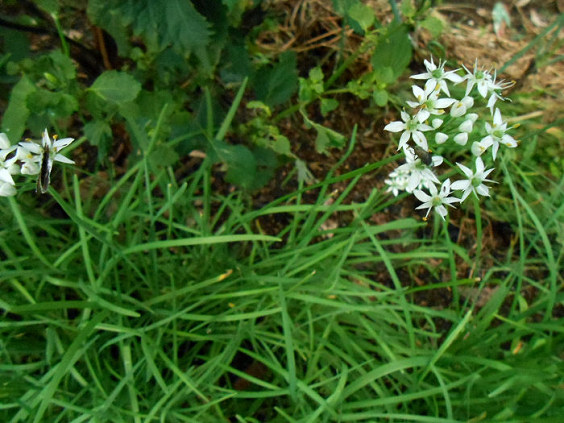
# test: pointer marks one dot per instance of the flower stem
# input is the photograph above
(478, 215)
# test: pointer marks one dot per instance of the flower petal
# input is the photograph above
(422, 196)
(62, 159)
(62, 143)
(395, 126)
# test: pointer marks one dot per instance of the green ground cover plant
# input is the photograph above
(160, 290)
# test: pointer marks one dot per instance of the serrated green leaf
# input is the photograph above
(113, 17)
(254, 104)
(281, 145)
(16, 114)
(304, 174)
(277, 83)
(275, 142)
(326, 138)
(53, 104)
(408, 10)
(161, 24)
(362, 14)
(185, 27)
(240, 161)
(162, 156)
(434, 25)
(316, 74)
(97, 132)
(328, 105)
(116, 87)
(380, 97)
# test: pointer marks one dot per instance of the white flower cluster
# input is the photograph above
(430, 125)
(29, 158)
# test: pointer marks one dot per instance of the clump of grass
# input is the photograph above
(165, 302)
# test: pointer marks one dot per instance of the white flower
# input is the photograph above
(8, 167)
(436, 200)
(459, 108)
(497, 134)
(417, 173)
(429, 102)
(436, 76)
(7, 189)
(4, 141)
(35, 157)
(494, 87)
(481, 78)
(478, 148)
(398, 180)
(53, 146)
(412, 127)
(475, 181)
(30, 161)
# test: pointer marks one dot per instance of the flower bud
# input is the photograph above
(461, 138)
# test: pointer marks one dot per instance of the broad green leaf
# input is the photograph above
(393, 50)
(384, 75)
(16, 114)
(15, 45)
(231, 4)
(50, 6)
(267, 162)
(116, 87)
